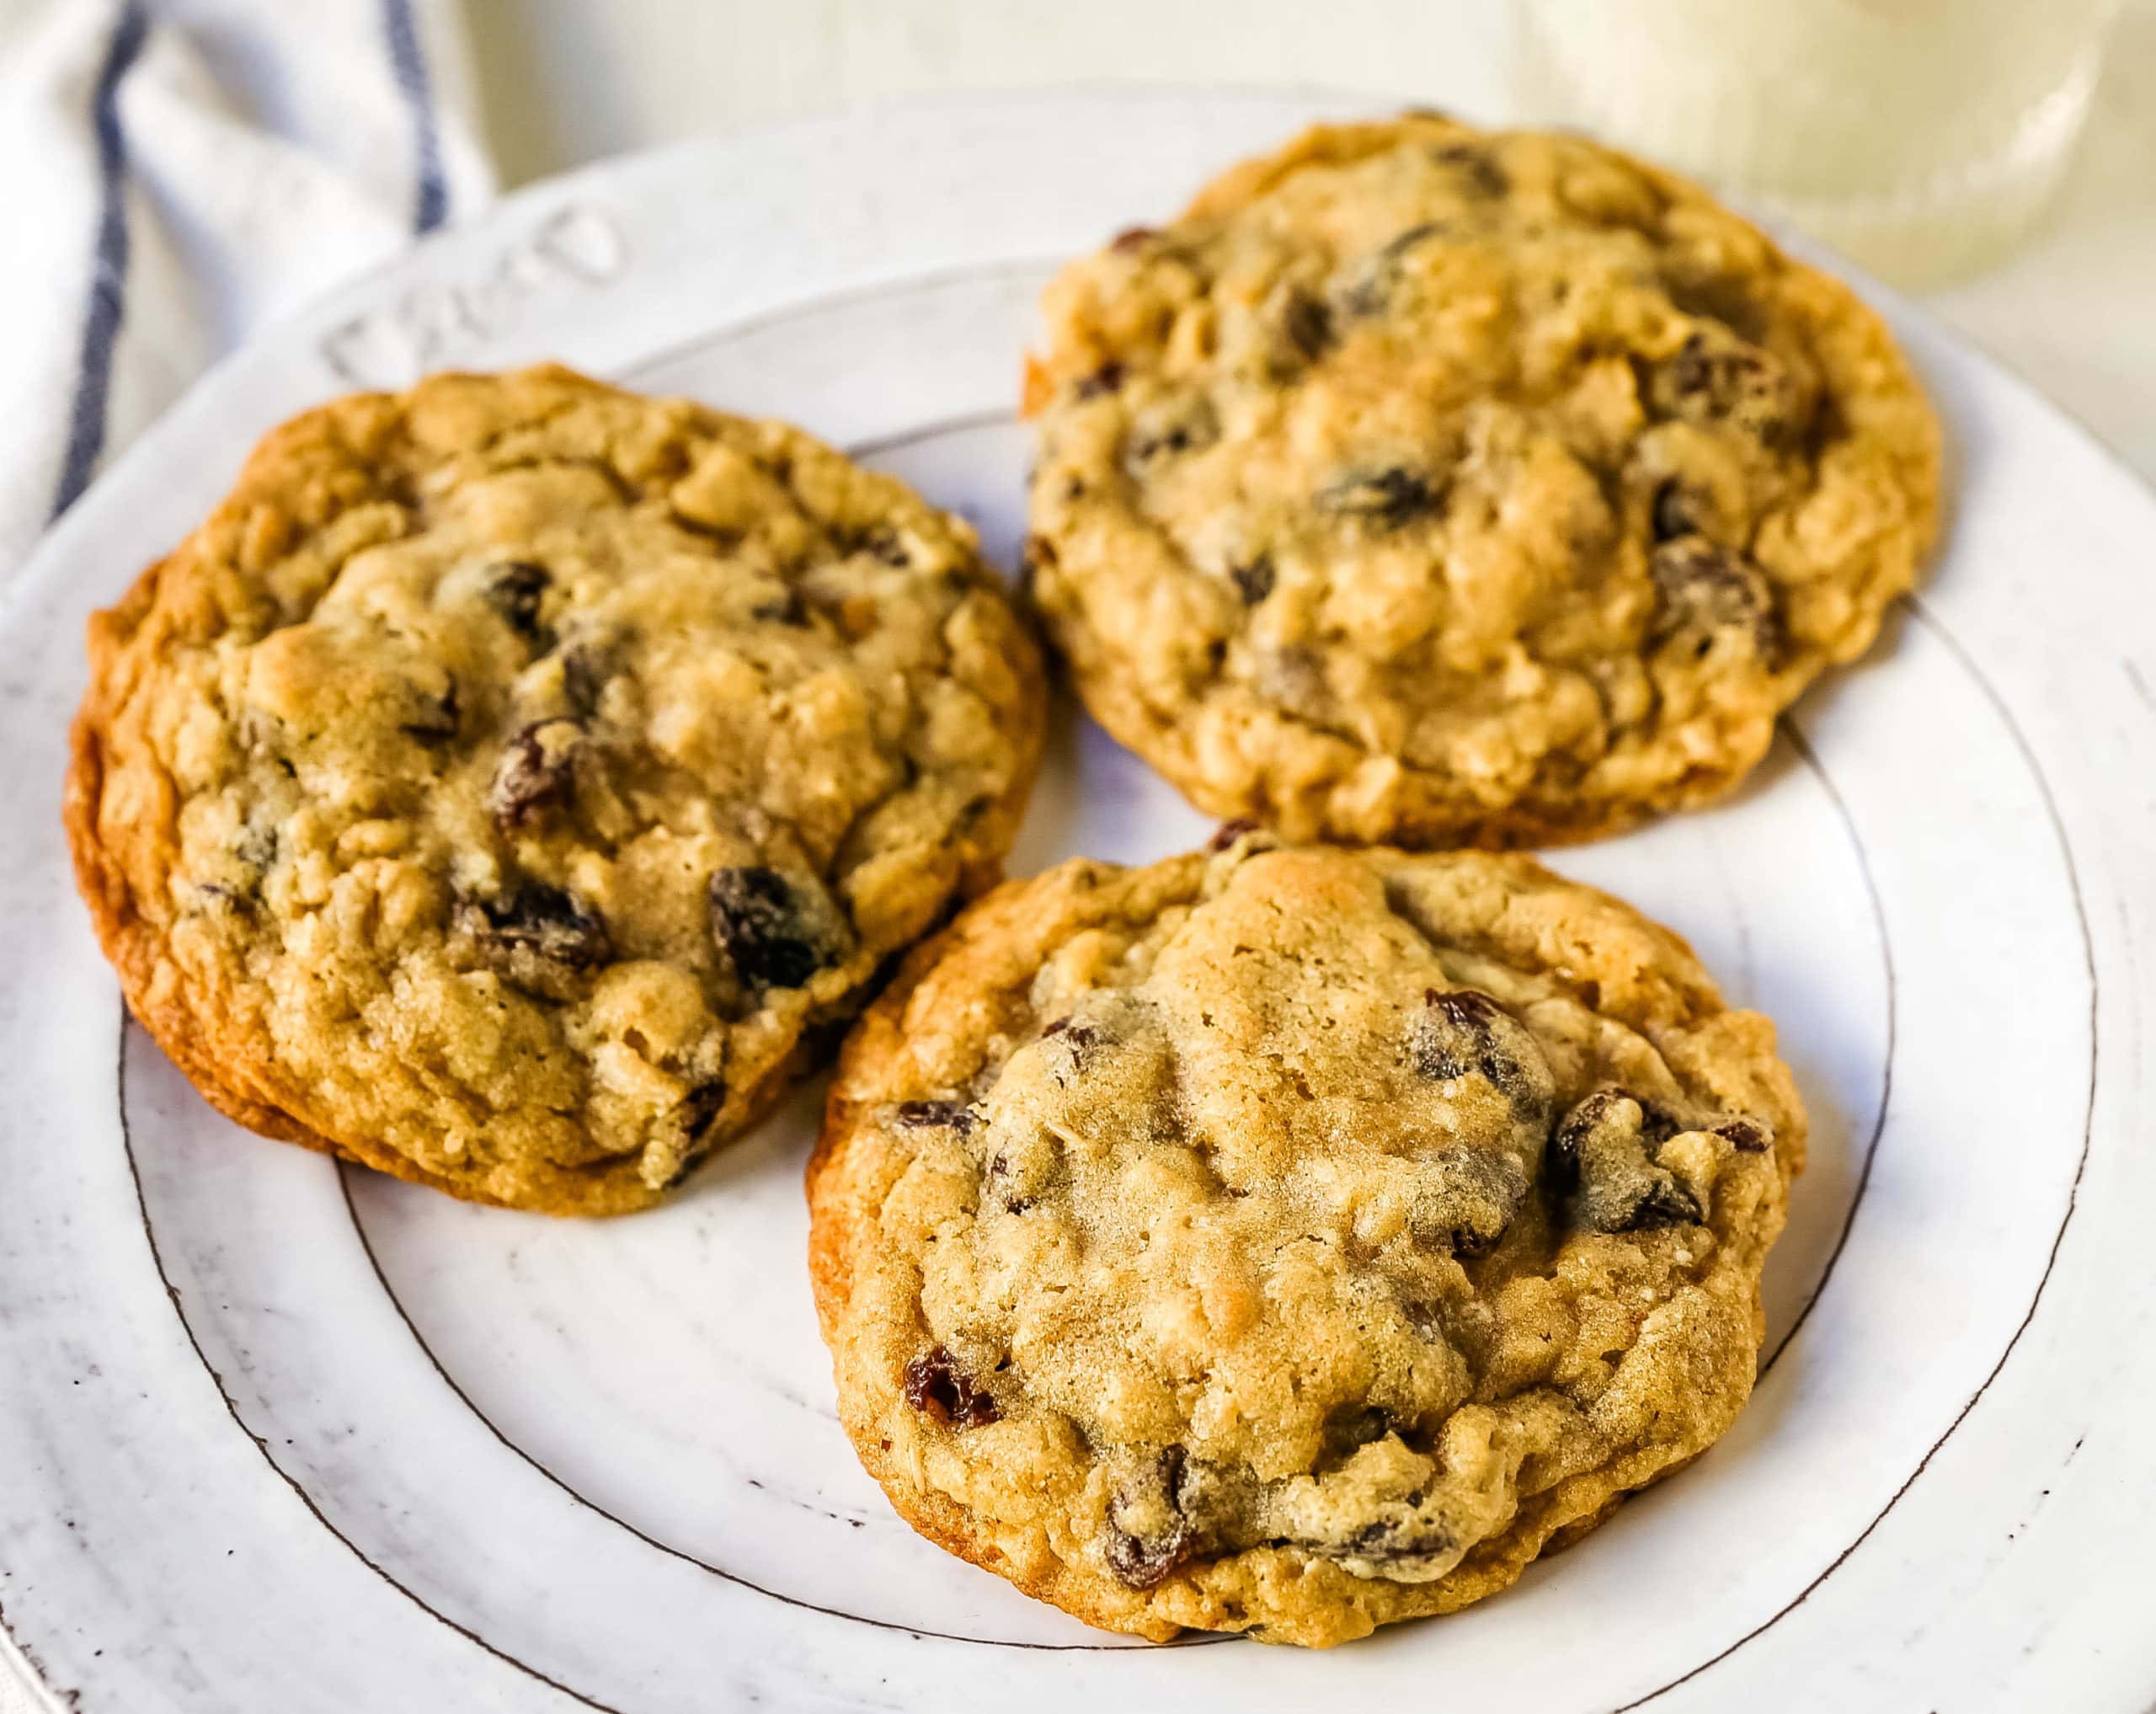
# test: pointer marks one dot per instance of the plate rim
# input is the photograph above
(49, 560)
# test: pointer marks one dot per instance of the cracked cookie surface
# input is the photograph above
(1293, 1240)
(514, 776)
(1425, 487)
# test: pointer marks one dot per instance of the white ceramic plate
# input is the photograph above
(276, 1435)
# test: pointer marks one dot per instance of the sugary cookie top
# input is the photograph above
(1294, 1238)
(1423, 485)
(511, 769)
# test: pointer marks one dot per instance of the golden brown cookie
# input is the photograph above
(1293, 1240)
(511, 778)
(1428, 487)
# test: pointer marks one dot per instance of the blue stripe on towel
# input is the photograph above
(108, 304)
(408, 60)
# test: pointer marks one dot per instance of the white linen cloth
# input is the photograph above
(176, 173)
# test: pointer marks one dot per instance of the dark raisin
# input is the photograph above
(1605, 1148)
(695, 1113)
(1350, 1428)
(1396, 1543)
(1229, 832)
(1149, 1533)
(437, 719)
(539, 936)
(515, 589)
(1717, 378)
(1076, 1035)
(1748, 1135)
(1482, 171)
(1468, 1245)
(820, 1038)
(1452, 1031)
(1132, 238)
(919, 1115)
(700, 1107)
(789, 609)
(537, 771)
(1038, 552)
(1662, 1203)
(584, 672)
(1461, 1031)
(1387, 499)
(778, 929)
(1708, 591)
(1253, 582)
(1191, 430)
(886, 545)
(1679, 510)
(1400, 244)
(552, 921)
(1306, 324)
(1107, 378)
(936, 1385)
(1380, 276)
(1143, 1563)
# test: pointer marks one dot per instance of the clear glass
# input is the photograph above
(1922, 136)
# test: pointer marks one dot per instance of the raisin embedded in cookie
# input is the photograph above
(505, 783)
(1293, 1240)
(1425, 487)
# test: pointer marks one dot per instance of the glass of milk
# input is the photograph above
(1922, 136)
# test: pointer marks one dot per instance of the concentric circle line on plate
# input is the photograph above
(382, 1279)
(990, 417)
(778, 315)
(1802, 746)
(261, 1445)
(958, 423)
(1931, 622)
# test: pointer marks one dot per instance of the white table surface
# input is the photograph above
(565, 82)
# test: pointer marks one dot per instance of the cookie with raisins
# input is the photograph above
(514, 776)
(1428, 486)
(1293, 1240)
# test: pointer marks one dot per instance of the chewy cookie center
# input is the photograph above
(1295, 1228)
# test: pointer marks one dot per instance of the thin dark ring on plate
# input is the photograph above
(959, 423)
(358, 1231)
(1916, 608)
(1931, 622)
(389, 1291)
(261, 1445)
(1802, 746)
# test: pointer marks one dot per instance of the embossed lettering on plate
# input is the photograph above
(579, 247)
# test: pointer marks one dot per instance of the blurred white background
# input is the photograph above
(564, 82)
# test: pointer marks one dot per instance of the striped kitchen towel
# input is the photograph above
(177, 172)
(180, 171)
